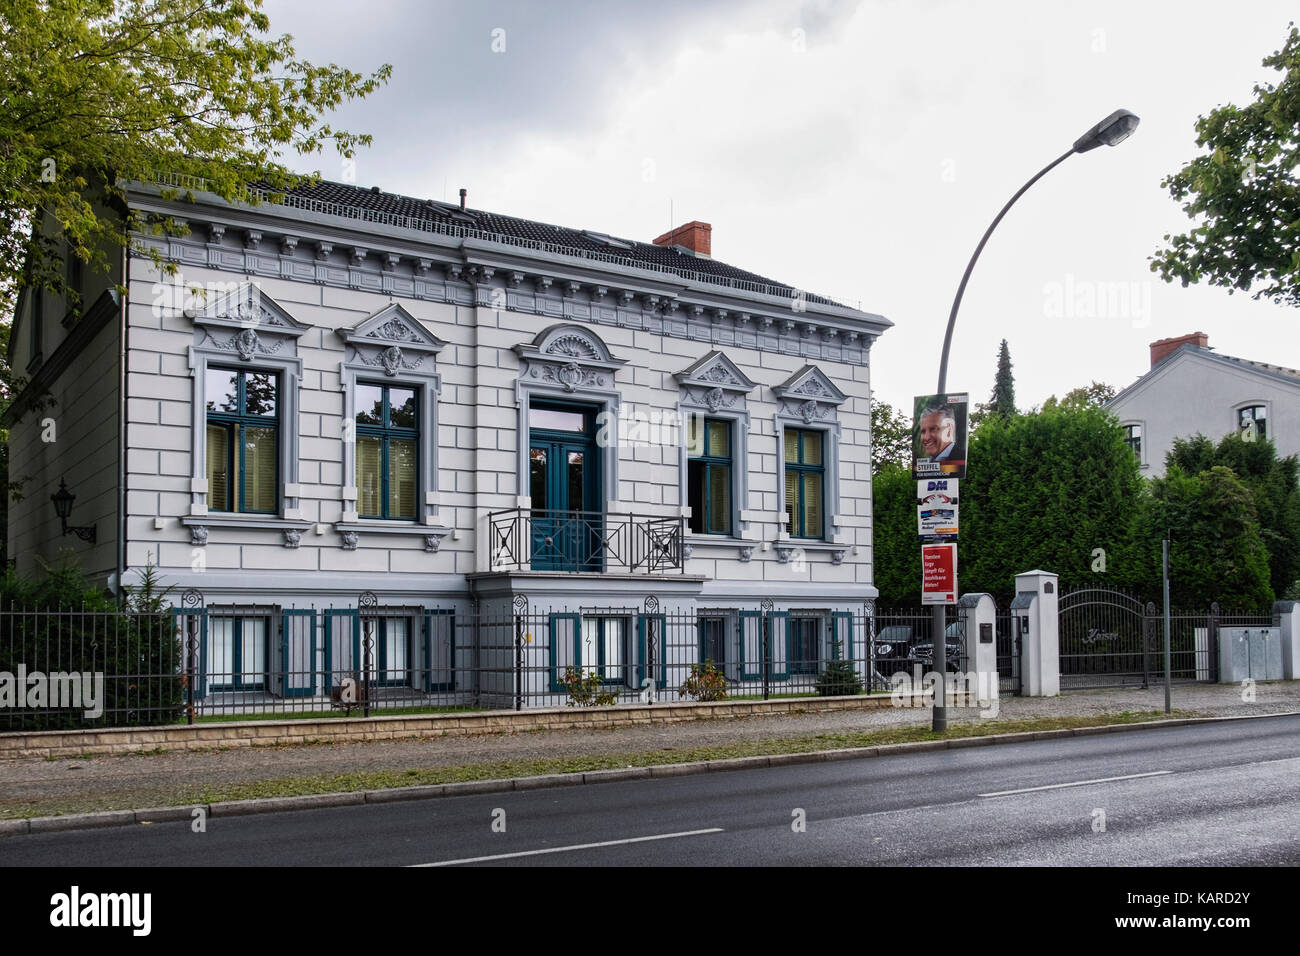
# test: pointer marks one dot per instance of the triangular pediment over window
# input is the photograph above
(247, 307)
(715, 370)
(393, 325)
(393, 339)
(810, 383)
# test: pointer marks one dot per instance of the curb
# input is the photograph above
(234, 808)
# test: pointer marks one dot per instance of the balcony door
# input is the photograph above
(563, 479)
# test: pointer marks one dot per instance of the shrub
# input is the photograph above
(585, 690)
(61, 624)
(839, 679)
(705, 683)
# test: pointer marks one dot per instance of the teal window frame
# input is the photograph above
(623, 669)
(430, 617)
(288, 632)
(181, 617)
(712, 468)
(703, 655)
(237, 653)
(353, 621)
(386, 431)
(805, 473)
(237, 423)
(803, 664)
(643, 626)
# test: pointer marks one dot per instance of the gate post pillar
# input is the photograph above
(1287, 614)
(978, 615)
(1040, 642)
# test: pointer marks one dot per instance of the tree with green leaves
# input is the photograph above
(1057, 489)
(891, 437)
(1243, 193)
(1094, 395)
(1003, 400)
(96, 93)
(1216, 552)
(1004, 387)
(896, 549)
(1274, 485)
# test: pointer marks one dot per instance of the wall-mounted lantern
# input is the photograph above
(63, 500)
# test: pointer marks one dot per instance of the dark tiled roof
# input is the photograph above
(478, 223)
(1265, 367)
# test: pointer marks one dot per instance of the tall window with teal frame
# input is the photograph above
(805, 476)
(243, 440)
(388, 440)
(708, 476)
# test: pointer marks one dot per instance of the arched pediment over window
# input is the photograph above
(570, 357)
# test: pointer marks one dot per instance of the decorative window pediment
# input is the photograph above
(245, 322)
(808, 395)
(570, 357)
(714, 382)
(392, 340)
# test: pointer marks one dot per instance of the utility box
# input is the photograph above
(1253, 653)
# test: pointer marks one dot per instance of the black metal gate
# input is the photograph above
(1107, 640)
(1008, 644)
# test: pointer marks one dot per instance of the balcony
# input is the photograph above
(523, 539)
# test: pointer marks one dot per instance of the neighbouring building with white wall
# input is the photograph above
(352, 391)
(1193, 390)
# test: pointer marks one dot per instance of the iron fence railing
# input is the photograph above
(201, 662)
(70, 668)
(524, 539)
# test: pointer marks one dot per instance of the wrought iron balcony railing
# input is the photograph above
(524, 539)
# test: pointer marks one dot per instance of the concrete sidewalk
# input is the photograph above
(31, 786)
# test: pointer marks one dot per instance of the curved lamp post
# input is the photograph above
(1111, 131)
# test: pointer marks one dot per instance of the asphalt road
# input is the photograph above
(1226, 794)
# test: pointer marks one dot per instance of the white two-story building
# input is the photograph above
(477, 418)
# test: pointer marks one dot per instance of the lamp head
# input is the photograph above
(63, 501)
(1111, 131)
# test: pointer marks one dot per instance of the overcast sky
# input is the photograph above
(857, 149)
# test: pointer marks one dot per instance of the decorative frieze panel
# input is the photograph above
(665, 311)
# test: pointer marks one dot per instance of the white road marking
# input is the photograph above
(1077, 783)
(567, 849)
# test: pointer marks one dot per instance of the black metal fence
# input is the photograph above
(197, 662)
(194, 662)
(1112, 639)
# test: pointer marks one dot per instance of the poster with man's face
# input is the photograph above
(939, 436)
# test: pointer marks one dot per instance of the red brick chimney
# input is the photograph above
(696, 236)
(1165, 347)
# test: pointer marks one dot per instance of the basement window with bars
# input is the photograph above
(604, 647)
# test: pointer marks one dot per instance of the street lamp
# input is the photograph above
(1111, 131)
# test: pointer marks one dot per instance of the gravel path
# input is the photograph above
(76, 783)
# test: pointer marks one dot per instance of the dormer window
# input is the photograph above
(605, 240)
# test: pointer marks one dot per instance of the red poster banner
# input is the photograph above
(939, 574)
